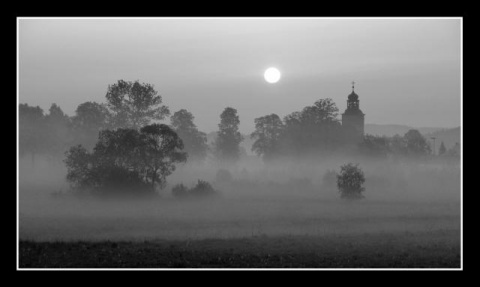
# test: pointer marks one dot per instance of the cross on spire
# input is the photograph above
(353, 86)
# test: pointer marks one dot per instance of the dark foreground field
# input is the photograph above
(439, 249)
(413, 224)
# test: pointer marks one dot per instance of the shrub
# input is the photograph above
(350, 180)
(180, 190)
(201, 189)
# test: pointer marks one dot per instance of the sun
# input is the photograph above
(272, 75)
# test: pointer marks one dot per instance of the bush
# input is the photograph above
(180, 190)
(201, 189)
(350, 180)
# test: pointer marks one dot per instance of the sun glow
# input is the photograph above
(272, 75)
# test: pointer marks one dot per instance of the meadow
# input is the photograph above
(270, 225)
(433, 249)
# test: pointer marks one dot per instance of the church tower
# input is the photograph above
(353, 119)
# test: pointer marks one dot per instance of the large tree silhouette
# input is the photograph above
(228, 139)
(195, 141)
(89, 119)
(377, 146)
(161, 150)
(57, 132)
(415, 143)
(267, 135)
(134, 105)
(31, 134)
(442, 150)
(315, 128)
(126, 160)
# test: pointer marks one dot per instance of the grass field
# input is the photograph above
(249, 233)
(405, 250)
(410, 218)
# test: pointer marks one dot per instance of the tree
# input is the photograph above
(442, 150)
(134, 105)
(161, 150)
(180, 191)
(454, 151)
(121, 148)
(126, 160)
(31, 130)
(79, 162)
(89, 119)
(323, 111)
(321, 124)
(397, 145)
(315, 128)
(57, 133)
(374, 146)
(195, 142)
(293, 136)
(415, 143)
(268, 131)
(350, 181)
(114, 166)
(227, 143)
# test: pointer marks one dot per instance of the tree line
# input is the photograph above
(314, 129)
(317, 130)
(122, 142)
(129, 105)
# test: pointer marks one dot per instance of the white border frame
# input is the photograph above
(269, 18)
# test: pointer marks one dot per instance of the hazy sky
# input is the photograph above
(407, 70)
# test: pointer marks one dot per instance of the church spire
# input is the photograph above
(353, 119)
(353, 103)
